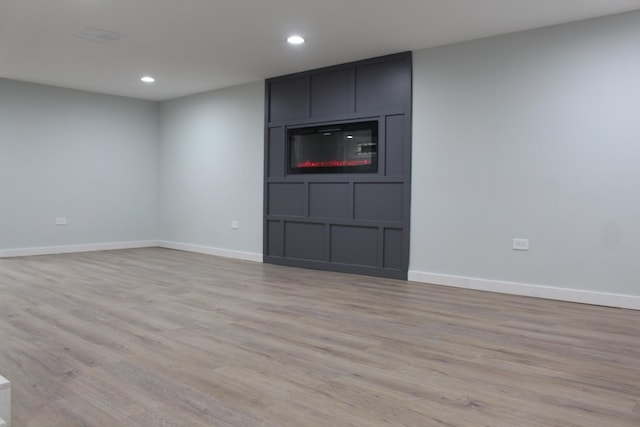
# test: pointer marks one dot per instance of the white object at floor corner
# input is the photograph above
(5, 402)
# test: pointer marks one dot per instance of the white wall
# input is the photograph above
(88, 157)
(211, 171)
(530, 135)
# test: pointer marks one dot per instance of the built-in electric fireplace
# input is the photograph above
(343, 148)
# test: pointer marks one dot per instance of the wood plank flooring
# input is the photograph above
(154, 337)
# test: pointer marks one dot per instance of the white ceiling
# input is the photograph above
(192, 46)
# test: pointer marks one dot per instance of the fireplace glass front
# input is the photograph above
(344, 148)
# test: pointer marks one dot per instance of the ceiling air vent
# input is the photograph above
(99, 35)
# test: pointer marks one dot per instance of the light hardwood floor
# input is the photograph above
(154, 337)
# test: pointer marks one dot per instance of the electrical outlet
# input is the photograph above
(235, 225)
(61, 221)
(520, 244)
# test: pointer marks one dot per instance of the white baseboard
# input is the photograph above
(537, 291)
(49, 250)
(513, 288)
(226, 253)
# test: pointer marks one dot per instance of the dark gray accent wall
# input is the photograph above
(356, 223)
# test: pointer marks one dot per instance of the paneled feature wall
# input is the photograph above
(356, 222)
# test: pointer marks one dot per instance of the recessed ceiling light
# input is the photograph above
(295, 39)
(148, 79)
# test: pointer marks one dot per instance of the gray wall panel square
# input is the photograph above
(395, 145)
(329, 200)
(289, 99)
(393, 248)
(354, 245)
(332, 93)
(378, 201)
(287, 199)
(382, 85)
(276, 151)
(274, 238)
(305, 241)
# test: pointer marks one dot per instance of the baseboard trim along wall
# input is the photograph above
(536, 291)
(208, 250)
(52, 250)
(512, 288)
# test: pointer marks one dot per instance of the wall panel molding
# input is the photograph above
(349, 222)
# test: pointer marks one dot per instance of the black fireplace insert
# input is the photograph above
(343, 148)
